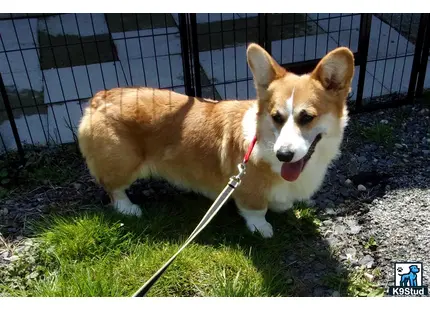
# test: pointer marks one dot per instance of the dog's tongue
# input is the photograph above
(291, 171)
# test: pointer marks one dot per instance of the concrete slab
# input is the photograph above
(394, 74)
(372, 87)
(19, 61)
(160, 45)
(60, 83)
(63, 120)
(152, 61)
(21, 33)
(74, 39)
(25, 93)
(124, 22)
(226, 65)
(335, 22)
(302, 48)
(82, 24)
(21, 81)
(31, 129)
(229, 64)
(385, 41)
(161, 72)
(226, 80)
(202, 18)
(141, 58)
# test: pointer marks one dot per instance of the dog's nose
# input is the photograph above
(284, 155)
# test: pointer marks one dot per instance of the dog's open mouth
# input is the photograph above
(292, 171)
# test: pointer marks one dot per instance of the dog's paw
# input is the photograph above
(135, 210)
(264, 228)
(128, 208)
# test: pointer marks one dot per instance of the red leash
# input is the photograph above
(250, 148)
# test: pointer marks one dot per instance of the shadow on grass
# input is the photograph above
(295, 262)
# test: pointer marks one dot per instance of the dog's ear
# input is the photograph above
(264, 68)
(336, 70)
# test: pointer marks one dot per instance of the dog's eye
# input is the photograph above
(305, 118)
(278, 118)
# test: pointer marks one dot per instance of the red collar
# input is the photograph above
(250, 148)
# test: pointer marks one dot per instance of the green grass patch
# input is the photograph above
(381, 134)
(356, 284)
(41, 167)
(105, 254)
(101, 253)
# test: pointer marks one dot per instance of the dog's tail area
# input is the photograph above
(90, 122)
(98, 99)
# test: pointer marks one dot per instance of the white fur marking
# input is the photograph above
(292, 138)
(123, 204)
(279, 207)
(289, 103)
(249, 123)
(256, 221)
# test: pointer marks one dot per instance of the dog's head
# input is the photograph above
(297, 112)
(414, 269)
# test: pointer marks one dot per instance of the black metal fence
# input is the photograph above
(51, 64)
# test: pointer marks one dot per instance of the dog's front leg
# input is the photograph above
(253, 209)
(256, 221)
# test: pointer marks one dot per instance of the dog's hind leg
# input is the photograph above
(116, 165)
(117, 185)
(123, 205)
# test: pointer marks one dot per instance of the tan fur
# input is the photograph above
(311, 89)
(128, 133)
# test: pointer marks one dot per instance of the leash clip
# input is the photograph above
(236, 180)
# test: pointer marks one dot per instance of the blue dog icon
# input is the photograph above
(410, 277)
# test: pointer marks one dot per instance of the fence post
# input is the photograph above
(362, 52)
(195, 52)
(424, 59)
(185, 53)
(263, 35)
(11, 118)
(417, 57)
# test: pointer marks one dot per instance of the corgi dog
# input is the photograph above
(197, 144)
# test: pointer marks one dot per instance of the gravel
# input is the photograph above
(388, 195)
(374, 205)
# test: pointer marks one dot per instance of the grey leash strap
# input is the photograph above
(213, 210)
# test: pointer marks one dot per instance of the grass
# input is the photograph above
(41, 167)
(356, 284)
(96, 254)
(381, 134)
(101, 253)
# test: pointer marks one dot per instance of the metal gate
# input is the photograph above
(50, 64)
